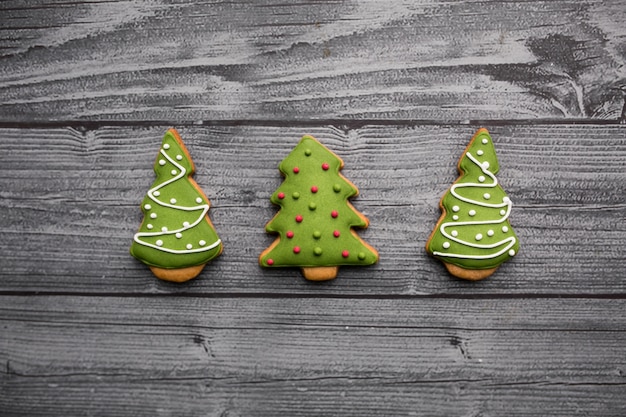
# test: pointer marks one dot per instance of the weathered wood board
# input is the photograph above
(150, 356)
(432, 60)
(71, 205)
(395, 88)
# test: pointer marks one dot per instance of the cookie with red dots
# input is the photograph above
(315, 221)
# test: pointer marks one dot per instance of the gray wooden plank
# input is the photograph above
(70, 205)
(266, 357)
(130, 60)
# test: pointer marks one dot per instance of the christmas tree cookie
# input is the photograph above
(473, 235)
(315, 221)
(176, 238)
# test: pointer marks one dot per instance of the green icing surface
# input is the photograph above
(314, 235)
(173, 218)
(503, 242)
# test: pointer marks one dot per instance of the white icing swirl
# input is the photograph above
(506, 202)
(152, 193)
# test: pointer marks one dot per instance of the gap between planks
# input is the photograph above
(347, 124)
(308, 295)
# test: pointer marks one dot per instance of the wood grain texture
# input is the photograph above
(70, 204)
(88, 88)
(266, 357)
(268, 60)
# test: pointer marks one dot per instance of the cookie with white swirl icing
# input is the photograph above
(176, 238)
(473, 236)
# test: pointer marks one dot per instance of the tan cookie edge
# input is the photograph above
(469, 274)
(178, 274)
(320, 273)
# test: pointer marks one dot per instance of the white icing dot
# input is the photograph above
(149, 226)
(456, 208)
(198, 200)
(174, 172)
(189, 246)
(486, 196)
(485, 141)
(472, 213)
(478, 236)
(454, 233)
(179, 157)
(506, 199)
(185, 224)
(481, 179)
(164, 229)
(173, 200)
(446, 245)
(156, 193)
(159, 242)
(505, 229)
(479, 152)
(153, 216)
(147, 206)
(512, 252)
(455, 217)
(490, 232)
(162, 162)
(486, 165)
(502, 212)
(166, 146)
(202, 243)
(179, 235)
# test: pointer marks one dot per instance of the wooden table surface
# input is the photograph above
(396, 89)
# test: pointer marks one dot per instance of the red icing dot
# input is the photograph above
(281, 195)
(334, 214)
(299, 218)
(296, 249)
(296, 170)
(270, 262)
(290, 234)
(345, 253)
(314, 189)
(325, 166)
(336, 233)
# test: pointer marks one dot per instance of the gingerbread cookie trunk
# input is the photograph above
(473, 235)
(176, 237)
(315, 220)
